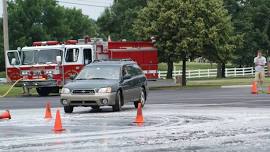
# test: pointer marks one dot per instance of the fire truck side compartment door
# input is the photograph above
(12, 58)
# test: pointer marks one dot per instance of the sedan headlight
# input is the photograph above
(105, 90)
(65, 91)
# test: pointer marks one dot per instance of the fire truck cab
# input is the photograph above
(47, 66)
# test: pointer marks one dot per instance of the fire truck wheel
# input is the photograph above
(117, 105)
(142, 99)
(43, 91)
(68, 109)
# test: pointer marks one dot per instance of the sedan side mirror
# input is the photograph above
(128, 76)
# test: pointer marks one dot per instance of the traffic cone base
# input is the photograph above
(60, 130)
(48, 114)
(139, 124)
(5, 115)
(58, 123)
(139, 117)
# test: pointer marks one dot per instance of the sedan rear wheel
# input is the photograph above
(117, 105)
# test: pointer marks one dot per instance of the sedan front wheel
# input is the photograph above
(68, 109)
(142, 99)
(117, 105)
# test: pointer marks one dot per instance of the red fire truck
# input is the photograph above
(48, 65)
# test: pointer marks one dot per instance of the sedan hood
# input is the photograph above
(91, 84)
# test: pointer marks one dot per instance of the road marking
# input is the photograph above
(236, 86)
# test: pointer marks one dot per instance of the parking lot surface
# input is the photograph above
(175, 120)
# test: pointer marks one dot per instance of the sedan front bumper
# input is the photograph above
(98, 99)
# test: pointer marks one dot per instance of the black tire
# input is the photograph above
(142, 99)
(118, 100)
(43, 91)
(54, 90)
(95, 107)
(68, 109)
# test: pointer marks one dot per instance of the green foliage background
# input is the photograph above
(223, 31)
(41, 20)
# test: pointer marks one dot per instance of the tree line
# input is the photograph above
(42, 20)
(222, 31)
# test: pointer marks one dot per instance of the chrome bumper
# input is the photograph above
(37, 83)
(88, 100)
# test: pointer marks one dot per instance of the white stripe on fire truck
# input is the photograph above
(149, 71)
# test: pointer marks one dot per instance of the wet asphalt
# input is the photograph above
(224, 97)
(198, 119)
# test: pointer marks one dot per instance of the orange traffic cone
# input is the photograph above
(58, 123)
(254, 88)
(48, 114)
(139, 117)
(5, 115)
(268, 91)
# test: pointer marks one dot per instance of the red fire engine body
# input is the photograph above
(47, 66)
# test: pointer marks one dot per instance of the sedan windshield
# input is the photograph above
(40, 56)
(99, 72)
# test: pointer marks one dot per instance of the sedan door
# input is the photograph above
(126, 84)
(138, 82)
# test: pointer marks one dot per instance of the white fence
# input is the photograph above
(208, 73)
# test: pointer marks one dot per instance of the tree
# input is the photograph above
(2, 61)
(42, 20)
(221, 40)
(117, 21)
(185, 28)
(251, 19)
(32, 20)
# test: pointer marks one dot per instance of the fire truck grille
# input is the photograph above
(83, 91)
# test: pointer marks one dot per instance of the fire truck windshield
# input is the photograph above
(99, 72)
(30, 57)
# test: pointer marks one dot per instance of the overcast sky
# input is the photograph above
(92, 8)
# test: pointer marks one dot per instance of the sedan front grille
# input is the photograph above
(82, 102)
(83, 92)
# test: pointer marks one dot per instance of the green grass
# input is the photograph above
(213, 83)
(16, 91)
(2, 74)
(223, 82)
(191, 66)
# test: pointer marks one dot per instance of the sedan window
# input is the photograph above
(99, 72)
(132, 70)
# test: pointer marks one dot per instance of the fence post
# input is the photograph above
(199, 72)
(234, 72)
(243, 70)
(208, 72)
